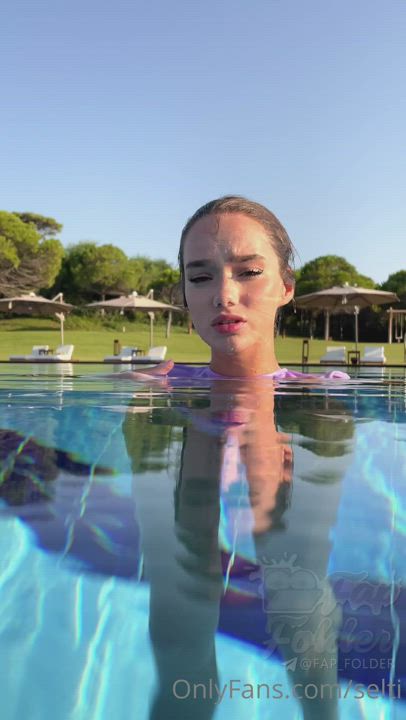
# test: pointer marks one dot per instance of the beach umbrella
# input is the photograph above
(37, 305)
(133, 301)
(344, 299)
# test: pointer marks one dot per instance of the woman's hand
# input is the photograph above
(156, 373)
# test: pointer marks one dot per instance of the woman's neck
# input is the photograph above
(244, 364)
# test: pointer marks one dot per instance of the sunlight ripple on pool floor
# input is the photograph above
(77, 648)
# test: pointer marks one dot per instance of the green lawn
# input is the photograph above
(17, 336)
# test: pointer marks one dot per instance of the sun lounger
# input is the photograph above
(156, 354)
(38, 351)
(42, 353)
(126, 354)
(375, 355)
(334, 356)
(63, 352)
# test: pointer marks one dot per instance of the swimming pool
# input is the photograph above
(223, 550)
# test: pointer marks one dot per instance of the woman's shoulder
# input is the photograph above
(191, 371)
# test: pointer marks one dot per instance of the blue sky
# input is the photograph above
(120, 119)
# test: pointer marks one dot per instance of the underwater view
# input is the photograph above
(209, 549)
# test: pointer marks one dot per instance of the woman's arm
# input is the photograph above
(158, 372)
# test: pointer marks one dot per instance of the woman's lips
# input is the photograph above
(226, 326)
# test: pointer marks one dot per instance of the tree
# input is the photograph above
(8, 255)
(139, 268)
(27, 260)
(46, 226)
(397, 283)
(325, 272)
(90, 271)
(147, 273)
(110, 271)
(167, 285)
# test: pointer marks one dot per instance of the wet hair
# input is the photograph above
(233, 204)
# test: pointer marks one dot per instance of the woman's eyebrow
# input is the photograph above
(232, 258)
(246, 258)
(197, 263)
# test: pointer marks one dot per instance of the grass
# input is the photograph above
(18, 335)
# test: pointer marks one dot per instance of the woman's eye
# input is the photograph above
(245, 273)
(252, 273)
(200, 278)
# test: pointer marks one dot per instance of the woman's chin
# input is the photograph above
(230, 345)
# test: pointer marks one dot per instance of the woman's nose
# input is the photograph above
(226, 293)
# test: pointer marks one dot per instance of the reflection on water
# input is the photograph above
(212, 549)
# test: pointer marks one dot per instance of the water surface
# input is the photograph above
(207, 551)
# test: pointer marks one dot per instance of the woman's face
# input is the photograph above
(233, 285)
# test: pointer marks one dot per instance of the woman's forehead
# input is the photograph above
(229, 236)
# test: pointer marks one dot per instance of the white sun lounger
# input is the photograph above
(41, 353)
(63, 352)
(156, 354)
(375, 355)
(126, 354)
(38, 351)
(334, 356)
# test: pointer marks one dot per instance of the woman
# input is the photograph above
(235, 262)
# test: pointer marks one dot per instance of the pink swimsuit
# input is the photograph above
(205, 372)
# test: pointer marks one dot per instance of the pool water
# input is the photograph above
(219, 550)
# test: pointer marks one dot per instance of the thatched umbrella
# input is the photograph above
(133, 301)
(32, 304)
